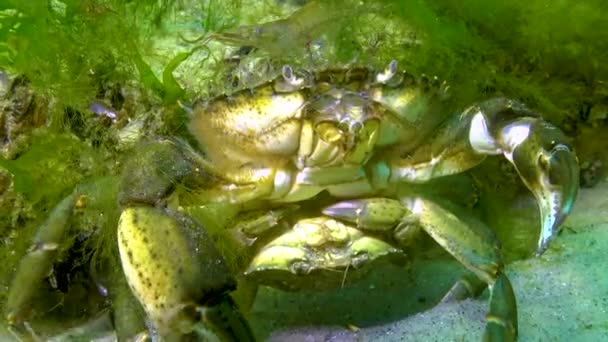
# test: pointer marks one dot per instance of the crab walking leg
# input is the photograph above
(466, 239)
(53, 236)
(540, 152)
(38, 262)
(479, 251)
(468, 286)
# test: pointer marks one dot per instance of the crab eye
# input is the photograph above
(287, 72)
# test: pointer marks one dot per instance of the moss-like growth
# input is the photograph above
(547, 55)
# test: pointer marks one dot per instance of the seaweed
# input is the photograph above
(64, 47)
(546, 55)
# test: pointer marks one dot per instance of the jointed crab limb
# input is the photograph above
(159, 166)
(255, 223)
(468, 286)
(502, 304)
(501, 321)
(179, 276)
(154, 171)
(38, 262)
(315, 253)
(170, 262)
(449, 152)
(539, 151)
(549, 168)
(468, 240)
(54, 237)
(127, 316)
(476, 248)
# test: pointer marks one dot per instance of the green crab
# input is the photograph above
(314, 163)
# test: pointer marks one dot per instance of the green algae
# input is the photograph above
(545, 54)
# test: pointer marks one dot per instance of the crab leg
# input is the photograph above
(539, 151)
(170, 261)
(468, 286)
(52, 238)
(176, 272)
(466, 239)
(38, 262)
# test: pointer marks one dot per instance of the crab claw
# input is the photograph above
(548, 166)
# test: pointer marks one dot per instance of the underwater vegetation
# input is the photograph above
(83, 82)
